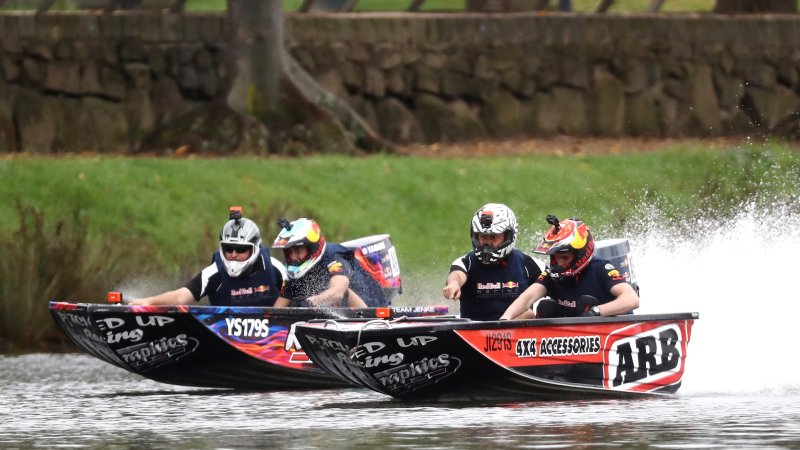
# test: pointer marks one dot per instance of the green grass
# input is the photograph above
(95, 224)
(424, 203)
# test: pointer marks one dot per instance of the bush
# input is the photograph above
(42, 263)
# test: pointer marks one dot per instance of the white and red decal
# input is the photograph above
(646, 356)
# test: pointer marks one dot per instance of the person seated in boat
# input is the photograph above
(576, 283)
(242, 273)
(320, 273)
(490, 277)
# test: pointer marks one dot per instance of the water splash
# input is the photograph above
(145, 286)
(737, 273)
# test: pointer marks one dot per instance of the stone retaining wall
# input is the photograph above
(79, 81)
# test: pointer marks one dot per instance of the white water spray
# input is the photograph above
(739, 274)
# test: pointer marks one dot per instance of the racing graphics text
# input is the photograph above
(109, 324)
(558, 346)
(155, 353)
(415, 374)
(401, 375)
(248, 327)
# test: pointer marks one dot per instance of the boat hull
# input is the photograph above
(218, 347)
(443, 359)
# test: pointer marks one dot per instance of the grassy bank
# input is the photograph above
(73, 228)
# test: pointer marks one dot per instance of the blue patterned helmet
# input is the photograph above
(301, 232)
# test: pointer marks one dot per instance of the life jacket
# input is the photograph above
(257, 287)
(490, 289)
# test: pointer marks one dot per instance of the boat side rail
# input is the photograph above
(336, 325)
(362, 314)
(401, 319)
(420, 324)
(300, 312)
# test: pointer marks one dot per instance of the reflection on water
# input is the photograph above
(78, 401)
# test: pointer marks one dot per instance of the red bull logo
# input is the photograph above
(506, 285)
(262, 288)
(313, 234)
(581, 235)
(335, 267)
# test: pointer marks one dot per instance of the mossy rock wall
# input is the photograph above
(86, 81)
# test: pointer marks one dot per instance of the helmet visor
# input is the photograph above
(229, 248)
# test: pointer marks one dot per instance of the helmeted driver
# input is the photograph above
(322, 273)
(574, 272)
(242, 273)
(490, 277)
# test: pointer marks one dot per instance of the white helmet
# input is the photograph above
(239, 233)
(494, 218)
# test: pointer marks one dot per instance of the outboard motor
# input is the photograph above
(376, 254)
(617, 251)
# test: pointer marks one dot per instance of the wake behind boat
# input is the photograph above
(209, 346)
(433, 359)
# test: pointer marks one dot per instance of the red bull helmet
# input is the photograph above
(571, 235)
(241, 234)
(301, 232)
(494, 218)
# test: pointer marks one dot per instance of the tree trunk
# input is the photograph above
(272, 87)
(256, 37)
(755, 6)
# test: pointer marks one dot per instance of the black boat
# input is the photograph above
(435, 359)
(208, 346)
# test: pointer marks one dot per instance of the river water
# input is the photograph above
(76, 401)
(741, 388)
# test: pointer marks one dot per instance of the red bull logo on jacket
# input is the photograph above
(249, 290)
(506, 285)
(498, 287)
(335, 267)
(542, 276)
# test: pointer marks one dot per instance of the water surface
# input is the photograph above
(77, 401)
